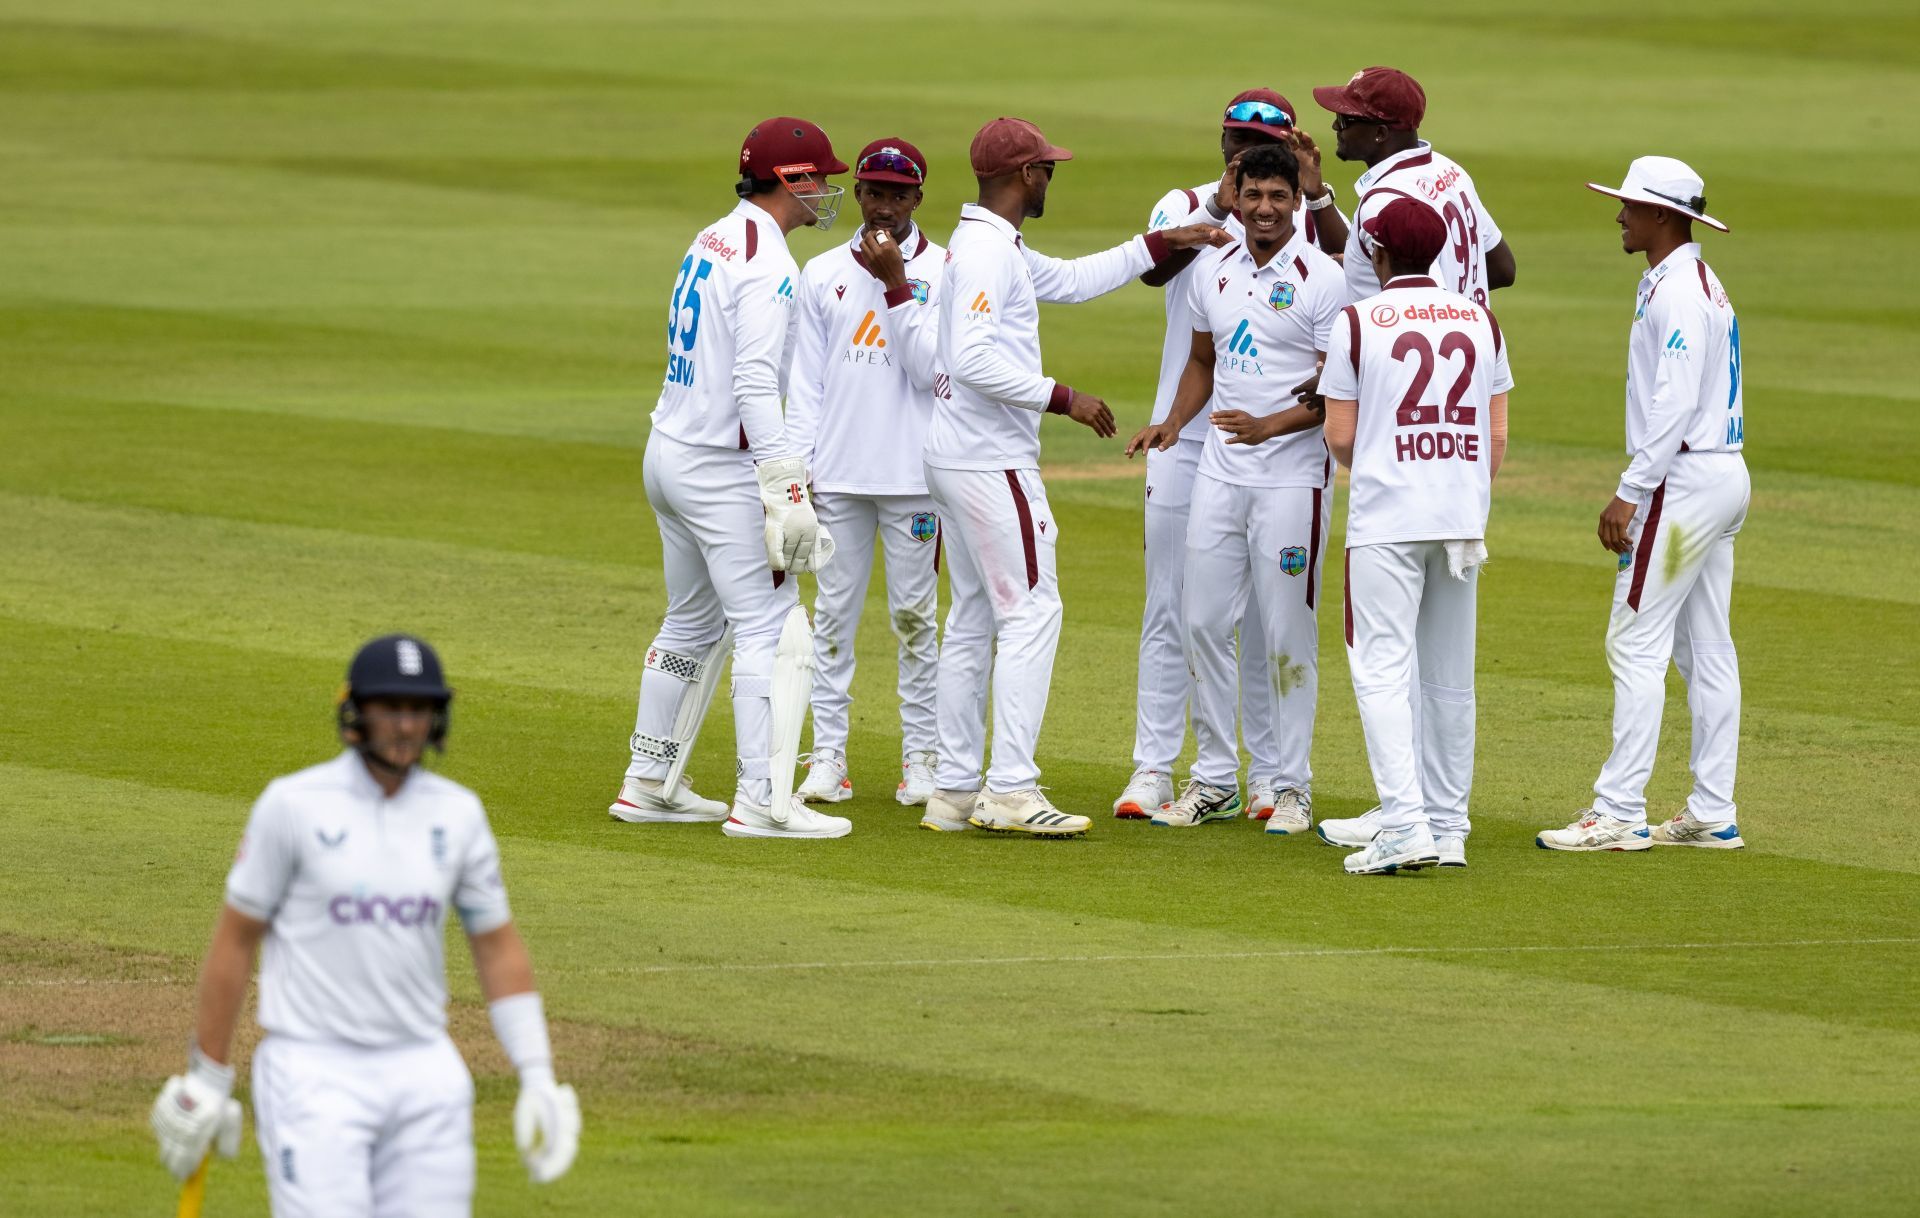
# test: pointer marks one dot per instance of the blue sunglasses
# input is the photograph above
(1264, 113)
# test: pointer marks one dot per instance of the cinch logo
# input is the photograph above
(355, 910)
(981, 304)
(867, 333)
(1242, 341)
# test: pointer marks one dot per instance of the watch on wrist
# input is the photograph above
(1324, 201)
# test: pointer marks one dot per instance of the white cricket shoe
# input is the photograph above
(916, 778)
(1407, 849)
(1028, 811)
(1147, 792)
(1292, 813)
(827, 781)
(641, 802)
(1684, 830)
(756, 820)
(1452, 848)
(1259, 798)
(1353, 833)
(1595, 831)
(1198, 804)
(948, 811)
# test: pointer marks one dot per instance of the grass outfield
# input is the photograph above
(323, 324)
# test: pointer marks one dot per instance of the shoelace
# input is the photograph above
(1191, 798)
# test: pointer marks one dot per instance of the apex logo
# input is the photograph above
(1676, 347)
(1242, 341)
(981, 304)
(867, 333)
(785, 290)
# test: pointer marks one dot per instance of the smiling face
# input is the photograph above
(1640, 225)
(1266, 208)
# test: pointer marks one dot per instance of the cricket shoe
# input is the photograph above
(1147, 792)
(1200, 803)
(1353, 833)
(1452, 848)
(641, 803)
(1597, 831)
(1292, 813)
(948, 811)
(756, 820)
(1028, 811)
(1408, 849)
(916, 778)
(1684, 830)
(827, 781)
(1259, 798)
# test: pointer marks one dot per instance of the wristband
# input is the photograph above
(1157, 247)
(899, 295)
(520, 1023)
(1215, 212)
(1323, 202)
(1058, 400)
(209, 1072)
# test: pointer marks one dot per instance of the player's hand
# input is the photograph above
(1312, 185)
(795, 539)
(546, 1125)
(192, 1116)
(1196, 236)
(1227, 197)
(1307, 393)
(1244, 428)
(1616, 524)
(1090, 411)
(1159, 437)
(884, 258)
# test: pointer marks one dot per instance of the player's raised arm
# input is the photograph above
(1074, 280)
(915, 317)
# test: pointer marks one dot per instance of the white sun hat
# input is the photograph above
(1664, 182)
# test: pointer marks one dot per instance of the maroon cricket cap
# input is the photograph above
(1408, 230)
(890, 160)
(1387, 94)
(1252, 118)
(1007, 144)
(790, 144)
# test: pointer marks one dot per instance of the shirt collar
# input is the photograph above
(360, 780)
(753, 212)
(1366, 180)
(1688, 252)
(911, 248)
(1282, 257)
(973, 211)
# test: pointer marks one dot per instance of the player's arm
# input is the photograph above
(1343, 419)
(1329, 225)
(1340, 381)
(1501, 269)
(223, 984)
(1173, 210)
(1674, 393)
(978, 364)
(1075, 280)
(1496, 437)
(915, 324)
(806, 380)
(758, 314)
(1189, 396)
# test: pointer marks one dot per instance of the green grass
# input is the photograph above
(319, 323)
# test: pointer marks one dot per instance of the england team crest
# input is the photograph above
(919, 288)
(924, 526)
(1281, 298)
(438, 840)
(1293, 559)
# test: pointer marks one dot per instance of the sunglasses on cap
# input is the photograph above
(887, 162)
(1265, 113)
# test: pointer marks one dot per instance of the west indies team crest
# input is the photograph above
(1281, 298)
(924, 526)
(919, 289)
(1293, 559)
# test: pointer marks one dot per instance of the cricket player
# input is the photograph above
(983, 470)
(857, 410)
(728, 488)
(1672, 522)
(1416, 385)
(346, 874)
(1253, 119)
(1377, 123)
(1259, 315)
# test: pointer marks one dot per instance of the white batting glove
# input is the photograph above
(796, 540)
(195, 1113)
(546, 1125)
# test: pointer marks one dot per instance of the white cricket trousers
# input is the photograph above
(707, 504)
(1408, 619)
(352, 1132)
(908, 529)
(1005, 620)
(1671, 599)
(1165, 684)
(1267, 542)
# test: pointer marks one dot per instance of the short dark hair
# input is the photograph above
(1267, 162)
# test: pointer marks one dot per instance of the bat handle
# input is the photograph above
(193, 1194)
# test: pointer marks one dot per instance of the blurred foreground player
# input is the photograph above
(362, 1105)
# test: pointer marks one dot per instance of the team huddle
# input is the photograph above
(891, 392)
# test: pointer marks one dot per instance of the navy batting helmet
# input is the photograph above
(395, 666)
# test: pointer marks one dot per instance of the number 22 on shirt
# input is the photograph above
(683, 320)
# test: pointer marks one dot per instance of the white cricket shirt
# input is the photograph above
(860, 395)
(1422, 174)
(1683, 371)
(1269, 325)
(989, 391)
(1423, 363)
(355, 889)
(730, 324)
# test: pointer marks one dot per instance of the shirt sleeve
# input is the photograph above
(761, 312)
(1502, 373)
(977, 362)
(1340, 379)
(917, 322)
(1194, 304)
(1075, 280)
(1327, 306)
(1674, 393)
(480, 896)
(1174, 209)
(268, 858)
(806, 382)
